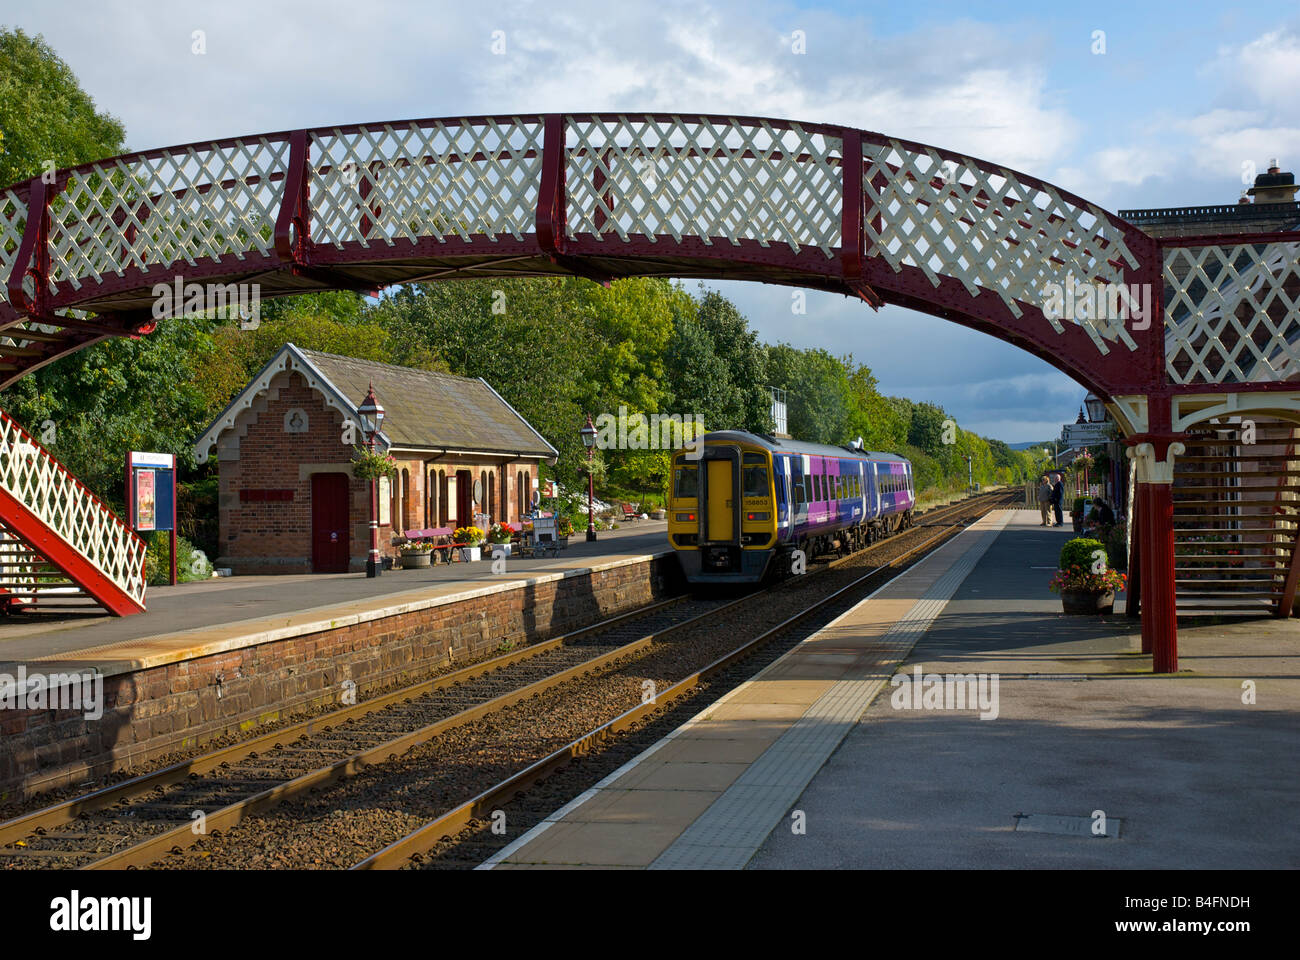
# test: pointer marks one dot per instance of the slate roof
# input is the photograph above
(422, 410)
(434, 410)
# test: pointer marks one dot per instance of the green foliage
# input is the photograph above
(191, 564)
(817, 392)
(372, 464)
(1079, 552)
(715, 364)
(45, 116)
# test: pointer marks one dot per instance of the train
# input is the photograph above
(741, 503)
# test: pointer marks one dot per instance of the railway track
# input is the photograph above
(461, 837)
(136, 822)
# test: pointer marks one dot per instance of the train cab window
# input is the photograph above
(686, 481)
(755, 469)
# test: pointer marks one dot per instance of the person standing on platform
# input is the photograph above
(1044, 498)
(1058, 495)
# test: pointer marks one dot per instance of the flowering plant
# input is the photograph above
(415, 546)
(470, 536)
(1082, 578)
(372, 465)
(564, 527)
(1082, 461)
(1083, 567)
(500, 533)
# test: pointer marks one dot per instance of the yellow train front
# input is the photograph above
(741, 503)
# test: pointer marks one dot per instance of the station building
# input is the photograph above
(289, 502)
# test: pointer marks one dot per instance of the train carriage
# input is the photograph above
(741, 503)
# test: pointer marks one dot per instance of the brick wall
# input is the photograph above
(153, 712)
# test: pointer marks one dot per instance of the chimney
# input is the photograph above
(1274, 186)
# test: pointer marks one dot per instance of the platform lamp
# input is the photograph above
(372, 418)
(1096, 408)
(589, 441)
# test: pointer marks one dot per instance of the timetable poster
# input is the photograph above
(145, 501)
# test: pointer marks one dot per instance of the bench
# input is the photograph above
(442, 552)
(629, 514)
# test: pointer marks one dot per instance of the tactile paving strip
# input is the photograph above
(730, 832)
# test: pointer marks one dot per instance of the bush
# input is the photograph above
(1077, 573)
(1079, 552)
(191, 564)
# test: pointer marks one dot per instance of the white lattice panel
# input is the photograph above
(190, 204)
(431, 179)
(981, 225)
(13, 220)
(1232, 314)
(29, 474)
(716, 180)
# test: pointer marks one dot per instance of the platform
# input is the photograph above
(213, 616)
(819, 762)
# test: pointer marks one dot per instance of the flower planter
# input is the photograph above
(658, 514)
(1077, 603)
(470, 554)
(500, 548)
(415, 560)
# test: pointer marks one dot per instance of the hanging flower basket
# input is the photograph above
(371, 465)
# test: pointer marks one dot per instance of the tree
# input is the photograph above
(529, 338)
(45, 117)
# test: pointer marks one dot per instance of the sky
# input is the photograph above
(1182, 97)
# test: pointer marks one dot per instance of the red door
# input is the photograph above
(329, 523)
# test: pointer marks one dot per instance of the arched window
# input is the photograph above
(481, 507)
(492, 496)
(521, 503)
(431, 498)
(444, 509)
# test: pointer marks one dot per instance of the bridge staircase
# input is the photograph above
(1236, 514)
(61, 547)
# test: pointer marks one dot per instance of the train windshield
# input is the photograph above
(686, 481)
(756, 484)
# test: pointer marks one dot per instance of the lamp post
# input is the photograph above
(372, 418)
(589, 441)
(970, 473)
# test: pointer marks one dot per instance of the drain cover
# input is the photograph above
(1068, 826)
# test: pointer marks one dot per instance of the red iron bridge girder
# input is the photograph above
(618, 195)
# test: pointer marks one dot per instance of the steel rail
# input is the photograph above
(67, 811)
(400, 852)
(182, 836)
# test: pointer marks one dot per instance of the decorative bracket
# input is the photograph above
(33, 257)
(293, 224)
(1154, 457)
(852, 233)
(551, 223)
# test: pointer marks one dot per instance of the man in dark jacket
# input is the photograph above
(1058, 494)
